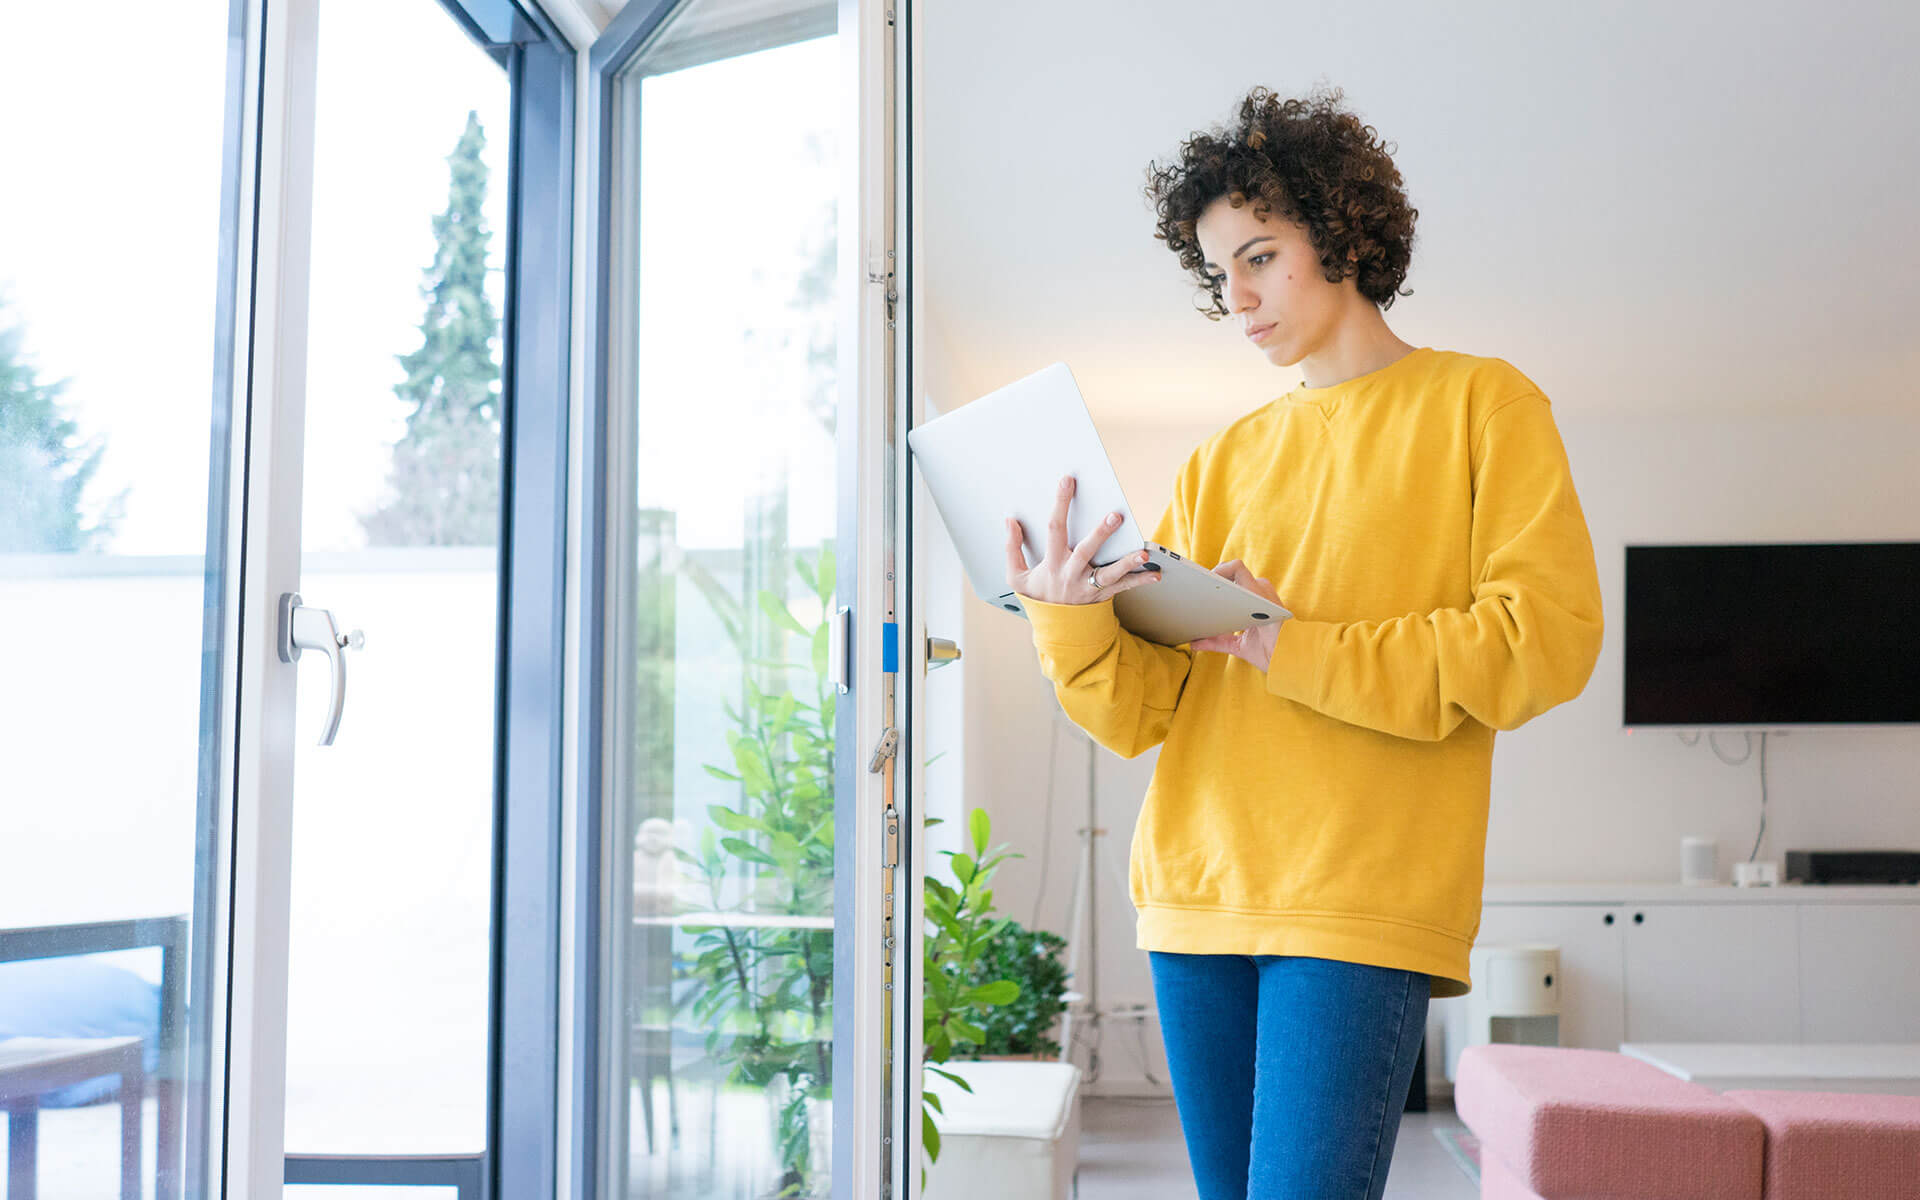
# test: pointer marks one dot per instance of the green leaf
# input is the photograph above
(964, 1085)
(977, 825)
(1000, 991)
(717, 773)
(748, 851)
(929, 1135)
(753, 770)
(777, 612)
(783, 713)
(726, 818)
(785, 848)
(963, 867)
(965, 1030)
(933, 1102)
(819, 651)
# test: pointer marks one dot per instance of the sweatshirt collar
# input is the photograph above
(1326, 398)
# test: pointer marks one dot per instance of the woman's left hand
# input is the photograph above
(1255, 643)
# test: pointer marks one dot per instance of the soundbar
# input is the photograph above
(1853, 866)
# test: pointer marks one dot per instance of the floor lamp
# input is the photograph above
(1085, 894)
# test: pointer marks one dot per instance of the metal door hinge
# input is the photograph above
(882, 762)
(893, 294)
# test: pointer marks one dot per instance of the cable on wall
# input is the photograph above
(1763, 799)
(1734, 762)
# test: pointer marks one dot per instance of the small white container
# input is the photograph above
(1515, 998)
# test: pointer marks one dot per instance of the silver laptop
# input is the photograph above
(1004, 456)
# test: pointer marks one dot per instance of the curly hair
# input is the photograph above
(1313, 163)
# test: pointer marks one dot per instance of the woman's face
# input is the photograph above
(1270, 275)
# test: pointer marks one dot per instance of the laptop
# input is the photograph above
(1004, 456)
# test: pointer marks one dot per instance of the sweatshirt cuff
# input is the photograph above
(1299, 650)
(1071, 624)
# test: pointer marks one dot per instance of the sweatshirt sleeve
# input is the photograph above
(1119, 687)
(1527, 642)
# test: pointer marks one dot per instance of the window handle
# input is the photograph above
(839, 639)
(303, 628)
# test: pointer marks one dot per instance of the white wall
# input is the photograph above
(1574, 797)
(1602, 202)
(945, 607)
(1628, 194)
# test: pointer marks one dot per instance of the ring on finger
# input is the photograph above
(1093, 577)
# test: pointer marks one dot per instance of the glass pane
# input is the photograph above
(111, 585)
(725, 782)
(367, 1191)
(387, 1008)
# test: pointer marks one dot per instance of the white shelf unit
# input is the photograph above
(1669, 963)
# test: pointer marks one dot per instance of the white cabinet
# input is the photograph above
(1711, 973)
(1859, 972)
(1665, 963)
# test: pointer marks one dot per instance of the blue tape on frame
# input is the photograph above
(890, 647)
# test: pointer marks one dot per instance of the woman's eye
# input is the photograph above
(1217, 280)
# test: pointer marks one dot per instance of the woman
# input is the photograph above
(1307, 864)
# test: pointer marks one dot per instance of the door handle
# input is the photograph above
(303, 628)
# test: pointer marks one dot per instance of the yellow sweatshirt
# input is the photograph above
(1420, 523)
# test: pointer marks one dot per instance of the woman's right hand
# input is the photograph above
(1069, 578)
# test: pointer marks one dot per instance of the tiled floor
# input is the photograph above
(1130, 1149)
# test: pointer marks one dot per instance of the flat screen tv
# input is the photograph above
(1763, 635)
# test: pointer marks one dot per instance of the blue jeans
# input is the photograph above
(1290, 1073)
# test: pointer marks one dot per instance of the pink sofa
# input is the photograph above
(1565, 1124)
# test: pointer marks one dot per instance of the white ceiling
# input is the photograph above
(1656, 207)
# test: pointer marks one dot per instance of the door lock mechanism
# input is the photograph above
(303, 628)
(940, 652)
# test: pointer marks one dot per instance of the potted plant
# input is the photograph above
(960, 988)
(1023, 1027)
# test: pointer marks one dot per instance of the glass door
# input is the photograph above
(748, 745)
(122, 427)
(372, 438)
(418, 522)
(400, 523)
